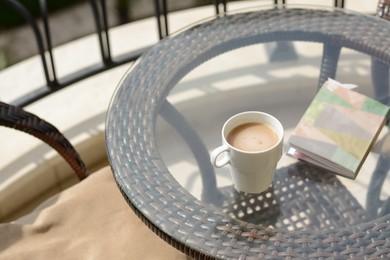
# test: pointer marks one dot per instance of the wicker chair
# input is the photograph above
(75, 221)
(88, 202)
(17, 118)
(85, 204)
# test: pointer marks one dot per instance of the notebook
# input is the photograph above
(338, 129)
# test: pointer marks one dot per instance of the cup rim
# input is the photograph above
(280, 139)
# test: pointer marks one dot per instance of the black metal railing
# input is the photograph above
(43, 40)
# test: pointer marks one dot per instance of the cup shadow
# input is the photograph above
(302, 197)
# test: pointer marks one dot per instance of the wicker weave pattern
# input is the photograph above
(15, 117)
(192, 226)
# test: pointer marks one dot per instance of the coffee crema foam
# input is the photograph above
(252, 137)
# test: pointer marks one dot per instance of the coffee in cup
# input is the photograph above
(252, 143)
(253, 137)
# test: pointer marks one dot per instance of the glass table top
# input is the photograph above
(280, 79)
(167, 114)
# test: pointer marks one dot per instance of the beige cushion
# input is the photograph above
(90, 220)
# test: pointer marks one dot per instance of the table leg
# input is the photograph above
(210, 193)
(375, 206)
(330, 58)
(380, 78)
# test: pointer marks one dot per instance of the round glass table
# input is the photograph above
(167, 113)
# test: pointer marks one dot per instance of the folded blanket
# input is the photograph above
(90, 220)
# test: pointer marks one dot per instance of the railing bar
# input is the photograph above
(38, 37)
(129, 57)
(96, 15)
(63, 83)
(158, 15)
(339, 3)
(33, 96)
(49, 46)
(77, 76)
(276, 2)
(216, 4)
(224, 5)
(105, 25)
(165, 11)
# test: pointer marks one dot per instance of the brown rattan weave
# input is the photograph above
(17, 118)
(200, 229)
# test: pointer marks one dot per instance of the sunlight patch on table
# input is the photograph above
(187, 174)
(185, 95)
(360, 67)
(230, 62)
(303, 70)
(363, 71)
(308, 49)
(238, 82)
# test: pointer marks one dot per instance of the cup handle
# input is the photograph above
(216, 153)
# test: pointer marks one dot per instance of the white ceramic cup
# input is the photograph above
(252, 172)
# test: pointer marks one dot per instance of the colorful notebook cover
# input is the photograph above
(338, 129)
